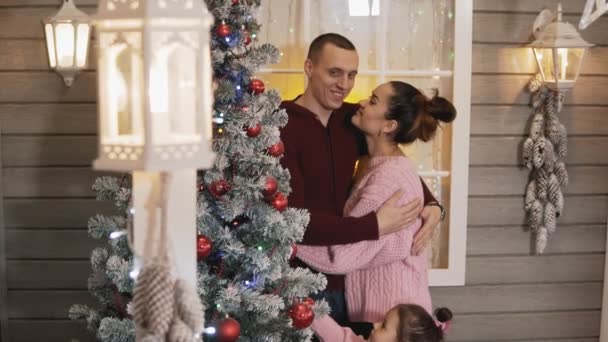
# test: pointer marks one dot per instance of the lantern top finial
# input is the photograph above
(552, 32)
(69, 13)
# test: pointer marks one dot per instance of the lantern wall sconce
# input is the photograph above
(67, 41)
(558, 49)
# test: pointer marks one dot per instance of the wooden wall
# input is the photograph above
(48, 141)
(511, 294)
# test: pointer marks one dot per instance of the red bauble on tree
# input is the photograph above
(203, 247)
(246, 37)
(223, 30)
(229, 330)
(220, 187)
(309, 301)
(235, 2)
(301, 315)
(256, 86)
(270, 187)
(254, 131)
(277, 149)
(279, 201)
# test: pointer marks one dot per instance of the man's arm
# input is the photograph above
(325, 229)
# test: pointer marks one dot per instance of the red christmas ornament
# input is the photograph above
(256, 86)
(270, 187)
(235, 2)
(246, 37)
(301, 315)
(203, 247)
(254, 131)
(229, 330)
(294, 251)
(279, 201)
(277, 149)
(219, 187)
(223, 30)
(200, 187)
(309, 301)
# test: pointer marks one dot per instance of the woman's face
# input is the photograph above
(386, 331)
(370, 118)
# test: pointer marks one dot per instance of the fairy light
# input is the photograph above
(260, 248)
(115, 235)
(209, 331)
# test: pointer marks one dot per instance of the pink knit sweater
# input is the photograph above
(380, 273)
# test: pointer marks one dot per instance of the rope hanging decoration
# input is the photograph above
(164, 308)
(544, 152)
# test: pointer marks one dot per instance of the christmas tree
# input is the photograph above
(246, 232)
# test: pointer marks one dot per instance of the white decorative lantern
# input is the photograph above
(67, 40)
(559, 50)
(154, 79)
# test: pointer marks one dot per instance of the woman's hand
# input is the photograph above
(430, 215)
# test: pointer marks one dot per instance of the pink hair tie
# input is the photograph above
(444, 326)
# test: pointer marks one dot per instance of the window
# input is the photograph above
(425, 43)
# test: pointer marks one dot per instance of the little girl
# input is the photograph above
(382, 273)
(403, 323)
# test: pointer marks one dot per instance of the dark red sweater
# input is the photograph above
(321, 161)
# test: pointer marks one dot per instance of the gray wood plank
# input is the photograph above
(487, 211)
(492, 58)
(517, 28)
(47, 86)
(551, 326)
(48, 150)
(490, 270)
(507, 151)
(53, 213)
(583, 180)
(518, 298)
(514, 120)
(49, 243)
(519, 240)
(512, 89)
(49, 118)
(50, 182)
(48, 274)
(28, 54)
(24, 304)
(26, 22)
(49, 330)
(569, 6)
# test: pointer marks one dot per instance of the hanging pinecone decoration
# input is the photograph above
(544, 152)
(164, 308)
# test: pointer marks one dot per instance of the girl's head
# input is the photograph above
(411, 323)
(401, 113)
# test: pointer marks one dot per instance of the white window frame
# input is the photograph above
(454, 274)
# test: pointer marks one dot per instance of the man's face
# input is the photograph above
(332, 76)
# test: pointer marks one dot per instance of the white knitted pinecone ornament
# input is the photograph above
(165, 309)
(153, 302)
(543, 153)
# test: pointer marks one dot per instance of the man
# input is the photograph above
(321, 150)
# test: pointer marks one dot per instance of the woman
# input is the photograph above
(382, 273)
